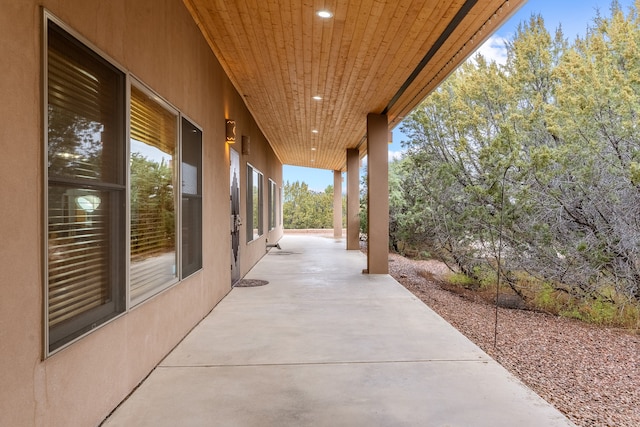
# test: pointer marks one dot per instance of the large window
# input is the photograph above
(154, 133)
(281, 210)
(87, 161)
(85, 131)
(272, 205)
(254, 203)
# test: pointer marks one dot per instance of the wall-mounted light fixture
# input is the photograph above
(231, 131)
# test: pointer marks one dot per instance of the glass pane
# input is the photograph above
(249, 205)
(153, 219)
(79, 257)
(191, 235)
(78, 252)
(191, 159)
(84, 113)
(191, 199)
(272, 205)
(255, 198)
(260, 205)
(85, 154)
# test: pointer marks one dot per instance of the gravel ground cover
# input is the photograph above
(590, 373)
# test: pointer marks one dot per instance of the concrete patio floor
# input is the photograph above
(325, 345)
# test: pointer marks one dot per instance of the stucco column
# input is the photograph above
(337, 204)
(353, 199)
(378, 191)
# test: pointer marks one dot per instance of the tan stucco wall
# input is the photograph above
(157, 41)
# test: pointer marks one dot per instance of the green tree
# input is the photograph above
(304, 208)
(459, 151)
(540, 154)
(590, 178)
(152, 206)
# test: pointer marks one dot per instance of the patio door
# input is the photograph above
(236, 221)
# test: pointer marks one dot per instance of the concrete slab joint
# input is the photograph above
(323, 345)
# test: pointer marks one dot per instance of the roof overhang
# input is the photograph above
(371, 56)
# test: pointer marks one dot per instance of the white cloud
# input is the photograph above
(494, 49)
(395, 155)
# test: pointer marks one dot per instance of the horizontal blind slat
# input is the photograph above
(78, 256)
(152, 124)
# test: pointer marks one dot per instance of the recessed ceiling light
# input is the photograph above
(324, 14)
(314, 131)
(317, 98)
(313, 148)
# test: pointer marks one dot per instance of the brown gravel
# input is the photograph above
(590, 373)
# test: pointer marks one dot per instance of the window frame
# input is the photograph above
(281, 206)
(119, 253)
(200, 196)
(272, 205)
(251, 236)
(177, 193)
(119, 306)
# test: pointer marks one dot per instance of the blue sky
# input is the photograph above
(574, 16)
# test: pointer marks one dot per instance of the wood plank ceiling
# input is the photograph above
(371, 56)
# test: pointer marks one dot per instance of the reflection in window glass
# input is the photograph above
(272, 205)
(85, 192)
(255, 197)
(191, 198)
(152, 197)
(280, 203)
(255, 227)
